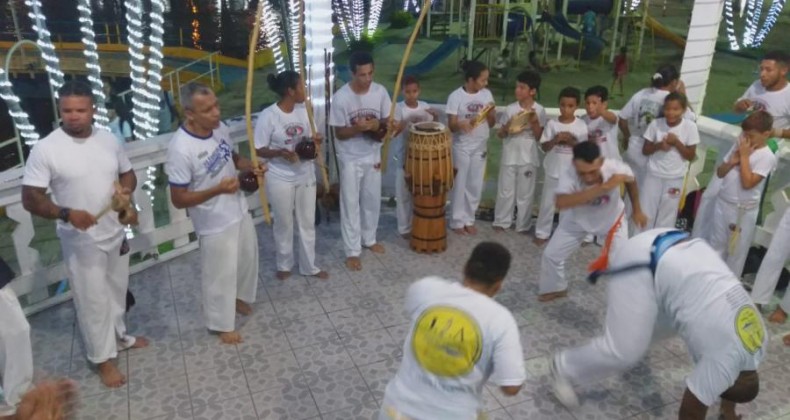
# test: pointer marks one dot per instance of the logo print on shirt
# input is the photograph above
(472, 109)
(596, 136)
(293, 131)
(446, 341)
(674, 192)
(600, 201)
(218, 158)
(648, 111)
(759, 105)
(363, 114)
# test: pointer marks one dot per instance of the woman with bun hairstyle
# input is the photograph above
(290, 182)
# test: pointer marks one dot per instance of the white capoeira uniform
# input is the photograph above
(290, 186)
(596, 217)
(16, 353)
(81, 173)
(469, 155)
(444, 369)
(604, 134)
(736, 209)
(518, 170)
(692, 293)
(557, 161)
(772, 265)
(360, 166)
(403, 203)
(662, 186)
(226, 234)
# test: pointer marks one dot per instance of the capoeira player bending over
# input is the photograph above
(588, 194)
(682, 285)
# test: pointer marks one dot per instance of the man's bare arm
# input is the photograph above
(36, 201)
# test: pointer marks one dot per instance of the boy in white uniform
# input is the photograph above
(667, 282)
(743, 175)
(602, 127)
(357, 110)
(470, 144)
(16, 354)
(460, 338)
(558, 138)
(409, 111)
(588, 194)
(201, 167)
(86, 169)
(519, 165)
(770, 269)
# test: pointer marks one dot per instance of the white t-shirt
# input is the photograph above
(560, 157)
(670, 164)
(644, 107)
(81, 174)
(775, 103)
(762, 162)
(522, 148)
(200, 163)
(458, 340)
(347, 107)
(467, 106)
(600, 214)
(276, 129)
(409, 116)
(604, 134)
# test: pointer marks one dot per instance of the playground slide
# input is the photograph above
(665, 33)
(447, 47)
(592, 46)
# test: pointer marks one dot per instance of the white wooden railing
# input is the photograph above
(34, 278)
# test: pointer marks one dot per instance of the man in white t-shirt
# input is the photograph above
(588, 194)
(771, 93)
(201, 167)
(663, 283)
(86, 169)
(358, 112)
(459, 339)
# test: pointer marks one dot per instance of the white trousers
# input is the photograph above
(468, 186)
(229, 271)
(547, 208)
(403, 203)
(293, 201)
(99, 279)
(360, 203)
(636, 159)
(660, 198)
(772, 265)
(704, 219)
(566, 240)
(729, 218)
(516, 187)
(16, 353)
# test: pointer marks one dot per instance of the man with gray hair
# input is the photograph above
(201, 167)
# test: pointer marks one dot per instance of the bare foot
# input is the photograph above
(727, 411)
(243, 308)
(548, 297)
(376, 248)
(539, 241)
(778, 316)
(471, 230)
(460, 231)
(786, 340)
(353, 263)
(110, 376)
(499, 229)
(283, 275)
(322, 275)
(231, 337)
(140, 343)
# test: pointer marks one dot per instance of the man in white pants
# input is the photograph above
(16, 355)
(86, 169)
(661, 281)
(588, 193)
(358, 109)
(201, 167)
(771, 268)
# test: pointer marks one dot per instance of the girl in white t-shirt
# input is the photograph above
(470, 137)
(411, 110)
(670, 144)
(290, 181)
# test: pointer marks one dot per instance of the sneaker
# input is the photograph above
(563, 389)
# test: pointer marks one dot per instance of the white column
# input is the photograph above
(700, 47)
(505, 10)
(318, 26)
(471, 30)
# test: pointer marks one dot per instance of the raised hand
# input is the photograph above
(228, 185)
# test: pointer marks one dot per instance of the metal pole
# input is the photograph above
(471, 28)
(564, 15)
(450, 20)
(503, 41)
(645, 8)
(618, 5)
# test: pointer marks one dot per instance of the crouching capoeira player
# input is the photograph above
(588, 193)
(201, 166)
(460, 338)
(666, 280)
(770, 270)
(87, 169)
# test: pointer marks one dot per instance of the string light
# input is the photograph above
(271, 28)
(92, 63)
(20, 117)
(731, 36)
(294, 7)
(751, 37)
(318, 26)
(51, 62)
(753, 18)
(342, 11)
(375, 14)
(770, 21)
(155, 58)
(141, 98)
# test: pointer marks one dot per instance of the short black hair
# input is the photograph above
(571, 92)
(664, 75)
(599, 91)
(529, 78)
(677, 96)
(780, 57)
(359, 58)
(586, 151)
(488, 264)
(75, 88)
(410, 80)
(760, 121)
(473, 69)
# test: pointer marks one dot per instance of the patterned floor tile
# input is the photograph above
(371, 347)
(158, 398)
(88, 379)
(238, 408)
(157, 362)
(327, 357)
(307, 331)
(355, 321)
(264, 370)
(367, 411)
(500, 414)
(542, 406)
(290, 400)
(300, 307)
(112, 405)
(208, 353)
(339, 390)
(216, 384)
(377, 376)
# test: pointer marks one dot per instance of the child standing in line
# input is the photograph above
(522, 125)
(670, 144)
(601, 123)
(558, 138)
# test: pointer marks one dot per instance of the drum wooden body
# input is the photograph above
(428, 223)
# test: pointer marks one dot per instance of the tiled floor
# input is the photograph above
(326, 349)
